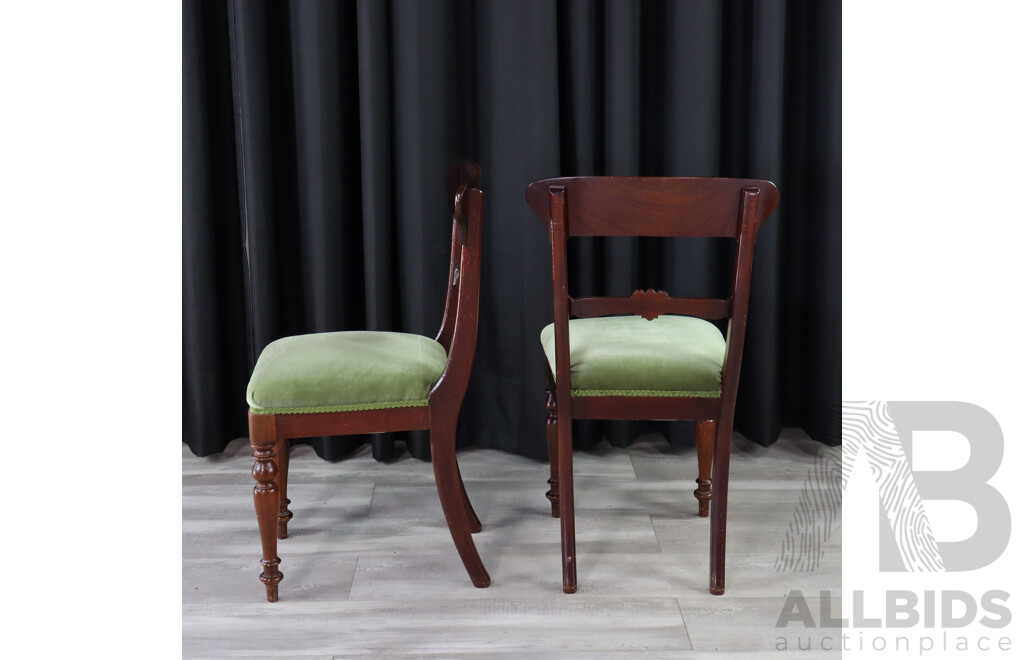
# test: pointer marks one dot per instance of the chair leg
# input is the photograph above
(705, 451)
(282, 449)
(552, 433)
(266, 496)
(446, 476)
(471, 517)
(568, 514)
(719, 497)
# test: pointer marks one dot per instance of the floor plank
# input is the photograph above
(519, 574)
(322, 576)
(603, 655)
(371, 571)
(745, 531)
(368, 628)
(749, 624)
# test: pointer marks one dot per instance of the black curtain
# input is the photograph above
(315, 141)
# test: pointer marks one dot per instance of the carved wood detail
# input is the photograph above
(705, 454)
(552, 437)
(282, 449)
(266, 499)
(649, 302)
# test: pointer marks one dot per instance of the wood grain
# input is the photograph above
(671, 206)
(650, 305)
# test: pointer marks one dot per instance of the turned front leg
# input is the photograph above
(266, 497)
(552, 434)
(282, 449)
(705, 452)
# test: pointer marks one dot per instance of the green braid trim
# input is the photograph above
(700, 394)
(381, 405)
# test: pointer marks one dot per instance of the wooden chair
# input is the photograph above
(340, 383)
(662, 366)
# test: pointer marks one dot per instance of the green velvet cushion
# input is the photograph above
(631, 356)
(339, 371)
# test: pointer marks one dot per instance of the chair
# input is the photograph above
(340, 383)
(672, 363)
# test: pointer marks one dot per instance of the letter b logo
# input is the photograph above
(883, 432)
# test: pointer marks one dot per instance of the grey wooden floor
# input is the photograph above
(370, 569)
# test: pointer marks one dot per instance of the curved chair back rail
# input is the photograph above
(463, 176)
(435, 408)
(656, 207)
(652, 206)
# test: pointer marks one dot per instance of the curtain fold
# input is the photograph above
(315, 141)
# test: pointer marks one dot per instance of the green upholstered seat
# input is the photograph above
(631, 356)
(341, 371)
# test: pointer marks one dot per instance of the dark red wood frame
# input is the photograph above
(649, 206)
(270, 435)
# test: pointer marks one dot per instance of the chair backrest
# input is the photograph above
(462, 301)
(653, 206)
